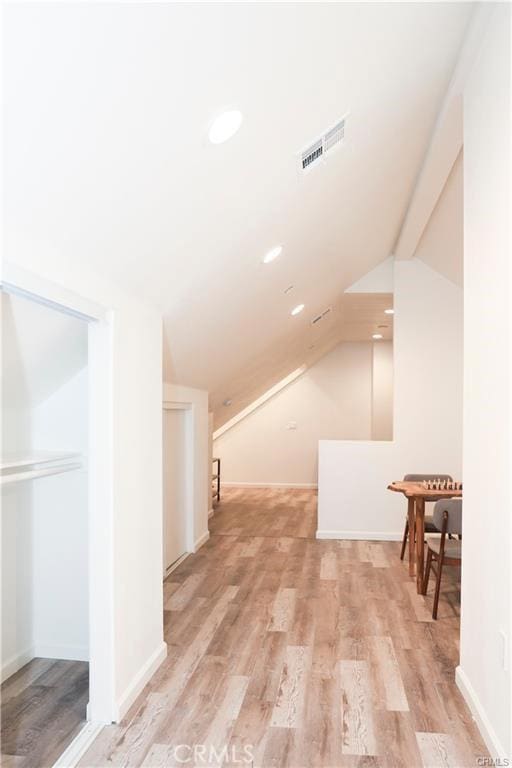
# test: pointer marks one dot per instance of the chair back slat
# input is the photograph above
(454, 509)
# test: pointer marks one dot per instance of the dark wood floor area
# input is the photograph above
(43, 708)
(287, 651)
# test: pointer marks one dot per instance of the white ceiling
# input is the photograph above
(108, 107)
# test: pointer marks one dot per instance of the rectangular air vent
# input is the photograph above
(334, 136)
(311, 154)
(331, 138)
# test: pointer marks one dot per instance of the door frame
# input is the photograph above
(188, 408)
(102, 705)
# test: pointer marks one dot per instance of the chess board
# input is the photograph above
(441, 485)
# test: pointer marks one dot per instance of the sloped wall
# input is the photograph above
(278, 443)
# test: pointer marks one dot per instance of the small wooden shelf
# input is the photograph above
(216, 480)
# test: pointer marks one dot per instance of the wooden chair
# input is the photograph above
(429, 522)
(448, 519)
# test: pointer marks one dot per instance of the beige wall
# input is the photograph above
(278, 443)
(382, 391)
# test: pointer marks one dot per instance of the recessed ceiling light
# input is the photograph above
(272, 254)
(297, 310)
(389, 311)
(225, 126)
(377, 336)
(227, 402)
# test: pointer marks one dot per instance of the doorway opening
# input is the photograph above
(176, 484)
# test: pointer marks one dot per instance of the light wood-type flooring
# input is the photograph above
(43, 709)
(287, 651)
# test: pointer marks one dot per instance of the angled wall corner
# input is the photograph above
(378, 280)
(441, 245)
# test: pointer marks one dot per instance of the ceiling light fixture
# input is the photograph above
(377, 336)
(227, 402)
(272, 254)
(389, 311)
(225, 126)
(297, 310)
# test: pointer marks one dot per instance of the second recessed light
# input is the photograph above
(377, 336)
(225, 126)
(297, 310)
(272, 254)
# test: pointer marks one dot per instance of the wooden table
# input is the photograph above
(416, 495)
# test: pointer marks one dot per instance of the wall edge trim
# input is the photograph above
(16, 662)
(483, 723)
(201, 540)
(139, 681)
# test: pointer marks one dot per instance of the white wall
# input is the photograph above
(17, 578)
(60, 527)
(197, 457)
(487, 388)
(427, 437)
(382, 391)
(332, 399)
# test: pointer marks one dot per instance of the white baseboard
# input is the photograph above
(141, 679)
(268, 485)
(201, 540)
(479, 715)
(78, 747)
(65, 652)
(211, 512)
(176, 564)
(16, 662)
(360, 535)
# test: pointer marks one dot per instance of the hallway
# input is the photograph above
(297, 652)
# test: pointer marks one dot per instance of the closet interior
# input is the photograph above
(45, 606)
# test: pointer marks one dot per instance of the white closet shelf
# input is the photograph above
(15, 460)
(18, 467)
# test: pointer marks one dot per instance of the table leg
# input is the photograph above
(420, 542)
(412, 530)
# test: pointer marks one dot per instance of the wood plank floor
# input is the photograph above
(287, 651)
(43, 708)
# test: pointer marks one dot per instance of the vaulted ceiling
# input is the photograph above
(109, 105)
